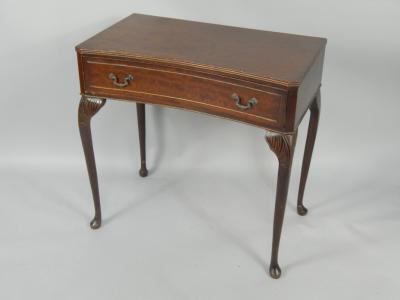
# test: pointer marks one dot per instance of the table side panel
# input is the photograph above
(308, 87)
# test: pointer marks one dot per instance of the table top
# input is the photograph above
(284, 58)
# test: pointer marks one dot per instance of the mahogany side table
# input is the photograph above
(266, 79)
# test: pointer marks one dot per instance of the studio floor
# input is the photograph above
(194, 233)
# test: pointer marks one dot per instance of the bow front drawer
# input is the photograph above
(227, 97)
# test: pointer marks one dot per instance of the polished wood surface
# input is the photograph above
(284, 64)
(250, 52)
(265, 79)
(171, 87)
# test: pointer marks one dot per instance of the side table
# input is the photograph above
(265, 79)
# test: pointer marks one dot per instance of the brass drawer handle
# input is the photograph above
(114, 79)
(252, 101)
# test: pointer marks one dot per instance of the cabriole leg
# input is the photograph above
(283, 146)
(312, 132)
(141, 117)
(88, 107)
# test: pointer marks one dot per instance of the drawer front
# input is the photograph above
(220, 96)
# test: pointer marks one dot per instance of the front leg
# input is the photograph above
(283, 146)
(88, 107)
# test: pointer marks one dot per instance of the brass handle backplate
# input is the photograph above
(114, 79)
(252, 101)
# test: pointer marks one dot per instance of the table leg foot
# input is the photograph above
(275, 271)
(143, 171)
(301, 210)
(95, 223)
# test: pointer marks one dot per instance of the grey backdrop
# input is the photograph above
(199, 227)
